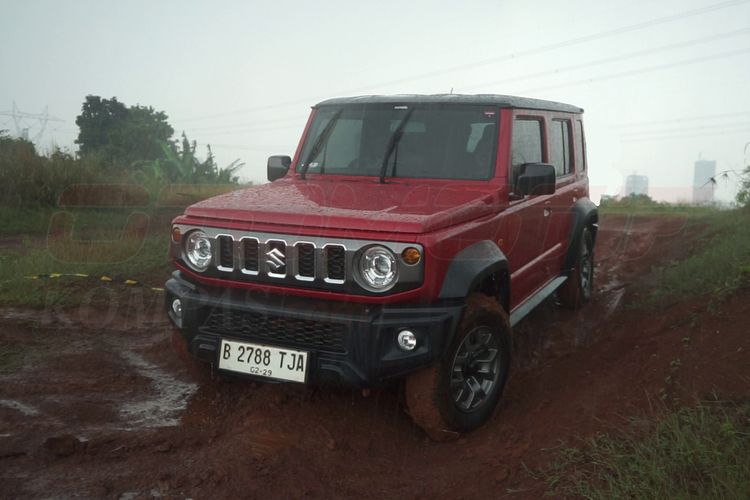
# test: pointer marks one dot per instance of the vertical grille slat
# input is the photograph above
(305, 260)
(226, 253)
(335, 263)
(250, 255)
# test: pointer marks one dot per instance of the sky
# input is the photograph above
(662, 83)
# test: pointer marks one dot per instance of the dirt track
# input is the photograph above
(95, 403)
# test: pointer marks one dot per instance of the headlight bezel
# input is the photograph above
(369, 275)
(191, 240)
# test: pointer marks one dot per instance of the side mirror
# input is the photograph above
(278, 166)
(536, 179)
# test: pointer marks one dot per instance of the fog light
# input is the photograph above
(407, 341)
(177, 308)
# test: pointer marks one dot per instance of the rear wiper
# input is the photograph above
(322, 139)
(393, 143)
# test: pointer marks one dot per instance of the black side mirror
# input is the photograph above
(278, 166)
(536, 179)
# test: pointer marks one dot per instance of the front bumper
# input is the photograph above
(354, 344)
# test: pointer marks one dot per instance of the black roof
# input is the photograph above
(502, 101)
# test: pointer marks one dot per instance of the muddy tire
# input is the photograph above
(460, 392)
(577, 289)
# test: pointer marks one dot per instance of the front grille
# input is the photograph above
(280, 259)
(302, 261)
(281, 330)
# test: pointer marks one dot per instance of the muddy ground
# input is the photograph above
(94, 403)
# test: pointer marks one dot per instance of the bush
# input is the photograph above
(31, 180)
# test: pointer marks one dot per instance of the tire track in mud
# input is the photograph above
(139, 392)
(164, 407)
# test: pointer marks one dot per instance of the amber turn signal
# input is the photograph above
(176, 235)
(411, 256)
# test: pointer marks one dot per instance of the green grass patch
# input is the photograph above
(113, 243)
(14, 221)
(720, 266)
(701, 453)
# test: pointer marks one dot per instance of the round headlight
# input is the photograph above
(198, 250)
(378, 268)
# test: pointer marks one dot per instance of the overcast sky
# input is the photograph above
(662, 83)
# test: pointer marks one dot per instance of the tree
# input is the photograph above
(124, 136)
(181, 164)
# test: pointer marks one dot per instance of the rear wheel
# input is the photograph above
(460, 392)
(577, 289)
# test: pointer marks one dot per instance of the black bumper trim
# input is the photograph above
(369, 354)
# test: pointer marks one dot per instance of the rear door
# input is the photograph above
(558, 212)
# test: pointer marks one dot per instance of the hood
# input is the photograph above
(354, 205)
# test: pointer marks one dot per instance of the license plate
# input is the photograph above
(263, 360)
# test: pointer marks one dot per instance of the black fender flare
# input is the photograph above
(471, 266)
(584, 213)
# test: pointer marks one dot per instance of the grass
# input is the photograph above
(94, 242)
(14, 221)
(701, 452)
(720, 266)
(721, 262)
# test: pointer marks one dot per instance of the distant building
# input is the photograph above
(636, 185)
(703, 186)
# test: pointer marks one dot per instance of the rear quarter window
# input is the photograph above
(560, 155)
(580, 147)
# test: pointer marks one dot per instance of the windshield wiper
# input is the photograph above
(322, 139)
(393, 143)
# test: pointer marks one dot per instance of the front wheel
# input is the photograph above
(460, 392)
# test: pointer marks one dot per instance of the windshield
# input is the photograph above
(427, 141)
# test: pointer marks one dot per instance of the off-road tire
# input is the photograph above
(430, 397)
(579, 286)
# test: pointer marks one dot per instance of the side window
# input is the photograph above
(560, 147)
(526, 146)
(580, 148)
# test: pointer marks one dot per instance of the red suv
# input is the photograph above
(404, 240)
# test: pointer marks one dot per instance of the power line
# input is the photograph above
(246, 124)
(684, 62)
(680, 120)
(688, 136)
(505, 57)
(608, 60)
(699, 128)
(610, 76)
